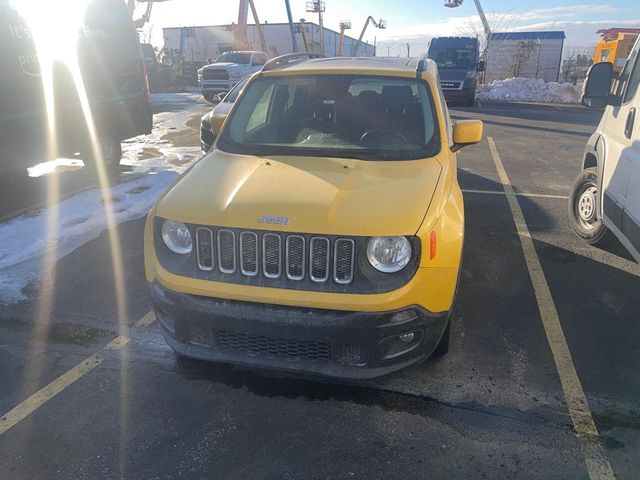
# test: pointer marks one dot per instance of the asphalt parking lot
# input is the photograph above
(88, 388)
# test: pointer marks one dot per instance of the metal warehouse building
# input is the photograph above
(524, 54)
(200, 43)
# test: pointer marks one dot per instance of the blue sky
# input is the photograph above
(416, 21)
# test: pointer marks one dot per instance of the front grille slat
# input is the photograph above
(249, 254)
(204, 252)
(343, 260)
(275, 256)
(295, 257)
(319, 261)
(271, 255)
(226, 251)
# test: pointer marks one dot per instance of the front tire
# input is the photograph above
(583, 209)
(470, 101)
(110, 153)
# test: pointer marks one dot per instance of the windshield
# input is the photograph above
(234, 57)
(462, 58)
(232, 96)
(371, 118)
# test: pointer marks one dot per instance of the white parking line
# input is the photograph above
(597, 464)
(519, 194)
(42, 396)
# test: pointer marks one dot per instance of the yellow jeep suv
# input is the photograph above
(323, 233)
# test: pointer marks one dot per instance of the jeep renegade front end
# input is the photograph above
(323, 233)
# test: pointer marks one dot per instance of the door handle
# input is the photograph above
(631, 121)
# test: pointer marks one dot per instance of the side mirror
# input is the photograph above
(466, 132)
(217, 122)
(481, 66)
(597, 86)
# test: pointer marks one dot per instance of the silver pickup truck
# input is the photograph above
(228, 69)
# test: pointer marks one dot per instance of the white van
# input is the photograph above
(605, 198)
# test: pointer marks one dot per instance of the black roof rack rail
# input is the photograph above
(422, 62)
(284, 60)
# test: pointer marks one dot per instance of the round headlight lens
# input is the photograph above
(389, 254)
(176, 237)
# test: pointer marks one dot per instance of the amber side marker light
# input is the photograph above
(433, 245)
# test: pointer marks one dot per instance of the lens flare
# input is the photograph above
(55, 28)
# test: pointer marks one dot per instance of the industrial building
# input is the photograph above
(524, 54)
(197, 44)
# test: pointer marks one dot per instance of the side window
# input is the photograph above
(633, 81)
(261, 112)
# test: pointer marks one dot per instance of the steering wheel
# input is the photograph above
(377, 138)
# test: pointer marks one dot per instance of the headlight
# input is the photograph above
(471, 74)
(236, 74)
(176, 237)
(389, 254)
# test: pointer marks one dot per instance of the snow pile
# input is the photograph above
(78, 220)
(530, 90)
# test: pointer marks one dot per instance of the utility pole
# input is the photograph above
(318, 6)
(344, 25)
(254, 12)
(408, 50)
(240, 38)
(294, 42)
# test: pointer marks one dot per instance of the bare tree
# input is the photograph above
(523, 54)
(498, 22)
(576, 62)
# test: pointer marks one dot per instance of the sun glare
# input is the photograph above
(56, 28)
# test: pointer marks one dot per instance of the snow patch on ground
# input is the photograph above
(156, 163)
(82, 218)
(530, 90)
(179, 110)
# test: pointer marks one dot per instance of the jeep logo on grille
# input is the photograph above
(282, 221)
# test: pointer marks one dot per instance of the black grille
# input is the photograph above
(215, 75)
(343, 262)
(275, 256)
(282, 347)
(450, 85)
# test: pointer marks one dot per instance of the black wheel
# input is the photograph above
(110, 152)
(443, 346)
(583, 209)
(470, 101)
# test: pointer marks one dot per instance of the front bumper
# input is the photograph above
(355, 345)
(212, 87)
(455, 94)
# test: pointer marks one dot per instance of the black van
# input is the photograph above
(458, 64)
(114, 76)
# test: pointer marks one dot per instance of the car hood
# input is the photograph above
(223, 65)
(314, 195)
